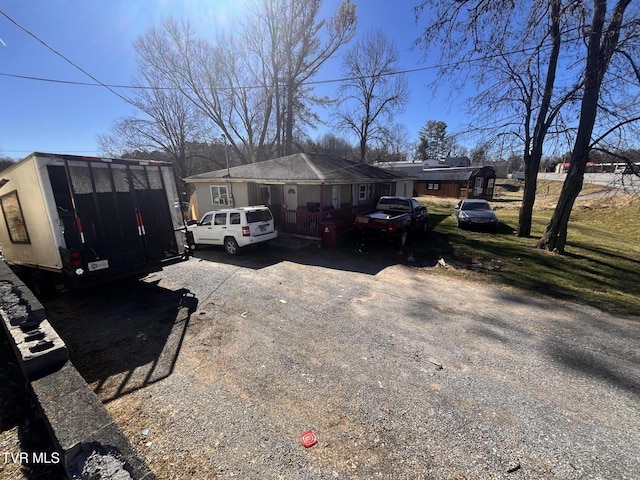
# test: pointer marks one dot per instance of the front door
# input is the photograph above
(291, 200)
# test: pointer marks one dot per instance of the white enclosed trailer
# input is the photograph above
(87, 219)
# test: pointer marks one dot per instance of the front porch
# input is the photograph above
(300, 209)
(306, 223)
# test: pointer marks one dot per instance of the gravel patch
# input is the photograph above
(216, 366)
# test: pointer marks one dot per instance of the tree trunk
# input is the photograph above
(288, 133)
(555, 236)
(532, 160)
(528, 197)
(598, 59)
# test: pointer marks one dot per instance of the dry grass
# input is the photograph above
(601, 266)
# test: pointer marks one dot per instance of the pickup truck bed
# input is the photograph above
(394, 218)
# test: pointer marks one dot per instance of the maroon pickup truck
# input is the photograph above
(393, 219)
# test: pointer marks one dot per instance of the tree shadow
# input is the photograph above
(598, 366)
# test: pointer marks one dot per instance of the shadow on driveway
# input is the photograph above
(119, 349)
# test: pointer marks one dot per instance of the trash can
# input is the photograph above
(329, 234)
(339, 227)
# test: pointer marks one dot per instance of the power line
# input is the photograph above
(143, 87)
(111, 87)
(77, 67)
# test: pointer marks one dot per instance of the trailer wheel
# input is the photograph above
(231, 246)
(42, 284)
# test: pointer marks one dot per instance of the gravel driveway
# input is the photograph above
(215, 366)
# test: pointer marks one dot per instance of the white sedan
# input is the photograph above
(475, 213)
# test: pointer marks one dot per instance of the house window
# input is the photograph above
(364, 192)
(219, 195)
(433, 186)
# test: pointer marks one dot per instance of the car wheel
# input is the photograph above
(231, 246)
(404, 237)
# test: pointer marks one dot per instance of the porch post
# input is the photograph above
(283, 212)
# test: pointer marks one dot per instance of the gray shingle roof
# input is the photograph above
(453, 173)
(436, 174)
(304, 168)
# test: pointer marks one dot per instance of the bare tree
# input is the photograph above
(396, 144)
(301, 53)
(169, 122)
(602, 38)
(514, 59)
(216, 79)
(372, 92)
(250, 82)
(479, 154)
(330, 144)
(6, 162)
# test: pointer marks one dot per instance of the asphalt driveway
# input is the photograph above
(215, 366)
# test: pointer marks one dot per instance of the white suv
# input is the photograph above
(234, 228)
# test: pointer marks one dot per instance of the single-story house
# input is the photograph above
(455, 182)
(301, 190)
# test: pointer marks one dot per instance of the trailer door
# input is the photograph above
(104, 208)
(153, 212)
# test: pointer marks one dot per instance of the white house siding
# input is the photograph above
(203, 196)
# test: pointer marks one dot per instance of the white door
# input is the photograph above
(203, 233)
(291, 200)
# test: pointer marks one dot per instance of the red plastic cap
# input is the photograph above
(308, 439)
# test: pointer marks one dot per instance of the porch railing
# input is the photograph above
(305, 223)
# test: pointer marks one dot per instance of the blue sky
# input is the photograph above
(97, 36)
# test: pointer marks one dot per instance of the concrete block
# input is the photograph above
(82, 428)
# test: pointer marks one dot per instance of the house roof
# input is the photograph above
(457, 161)
(403, 168)
(303, 168)
(453, 173)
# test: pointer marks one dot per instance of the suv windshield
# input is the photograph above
(255, 216)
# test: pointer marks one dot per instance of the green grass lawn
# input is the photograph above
(601, 266)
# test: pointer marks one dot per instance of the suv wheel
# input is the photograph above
(231, 246)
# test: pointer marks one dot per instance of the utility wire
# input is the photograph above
(77, 67)
(110, 87)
